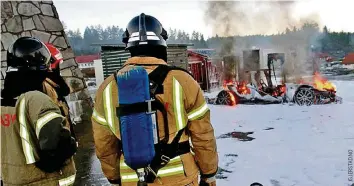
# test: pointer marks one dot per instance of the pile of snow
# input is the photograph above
(293, 145)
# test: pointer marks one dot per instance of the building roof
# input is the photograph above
(120, 46)
(206, 52)
(87, 58)
(197, 54)
(348, 59)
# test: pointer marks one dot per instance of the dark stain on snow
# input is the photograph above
(242, 136)
(269, 128)
(275, 182)
(231, 155)
(221, 171)
(229, 163)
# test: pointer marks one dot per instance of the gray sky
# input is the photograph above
(186, 15)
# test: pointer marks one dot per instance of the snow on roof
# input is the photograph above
(87, 58)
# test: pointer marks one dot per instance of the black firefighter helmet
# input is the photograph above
(28, 54)
(144, 30)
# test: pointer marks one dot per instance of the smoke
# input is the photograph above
(230, 18)
(245, 18)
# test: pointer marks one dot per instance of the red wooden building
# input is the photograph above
(204, 72)
(348, 59)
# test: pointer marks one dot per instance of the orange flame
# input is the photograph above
(226, 83)
(283, 89)
(242, 88)
(233, 100)
(322, 84)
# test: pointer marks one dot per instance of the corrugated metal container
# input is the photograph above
(114, 57)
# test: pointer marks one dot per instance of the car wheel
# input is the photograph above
(224, 98)
(304, 96)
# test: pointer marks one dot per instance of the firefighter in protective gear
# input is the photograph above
(55, 86)
(36, 147)
(186, 110)
(56, 59)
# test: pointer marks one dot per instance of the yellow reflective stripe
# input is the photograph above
(191, 144)
(123, 165)
(97, 117)
(178, 104)
(67, 181)
(108, 106)
(199, 112)
(26, 146)
(169, 171)
(129, 178)
(45, 119)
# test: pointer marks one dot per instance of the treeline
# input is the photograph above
(323, 40)
(84, 44)
(338, 44)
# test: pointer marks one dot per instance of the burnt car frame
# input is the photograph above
(267, 93)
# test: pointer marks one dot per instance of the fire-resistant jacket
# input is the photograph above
(49, 89)
(186, 108)
(24, 134)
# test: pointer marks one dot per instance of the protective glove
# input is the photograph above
(207, 181)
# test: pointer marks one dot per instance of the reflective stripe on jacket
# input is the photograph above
(19, 142)
(185, 106)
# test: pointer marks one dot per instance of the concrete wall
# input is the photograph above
(41, 20)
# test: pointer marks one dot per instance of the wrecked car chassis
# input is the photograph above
(309, 95)
(300, 94)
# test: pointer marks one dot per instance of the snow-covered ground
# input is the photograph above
(292, 145)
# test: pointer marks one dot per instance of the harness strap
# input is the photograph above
(148, 106)
(166, 153)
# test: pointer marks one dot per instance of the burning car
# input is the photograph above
(242, 93)
(318, 91)
(321, 91)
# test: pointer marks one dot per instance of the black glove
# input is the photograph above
(117, 182)
(203, 183)
(53, 160)
(207, 182)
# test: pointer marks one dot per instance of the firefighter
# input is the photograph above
(55, 86)
(36, 147)
(187, 111)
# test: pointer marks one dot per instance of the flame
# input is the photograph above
(322, 84)
(226, 83)
(233, 99)
(283, 89)
(242, 88)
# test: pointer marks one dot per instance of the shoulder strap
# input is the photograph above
(160, 73)
(158, 76)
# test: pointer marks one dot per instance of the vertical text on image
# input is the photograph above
(350, 165)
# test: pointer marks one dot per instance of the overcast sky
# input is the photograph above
(186, 15)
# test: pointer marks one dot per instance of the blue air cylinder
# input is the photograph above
(137, 131)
